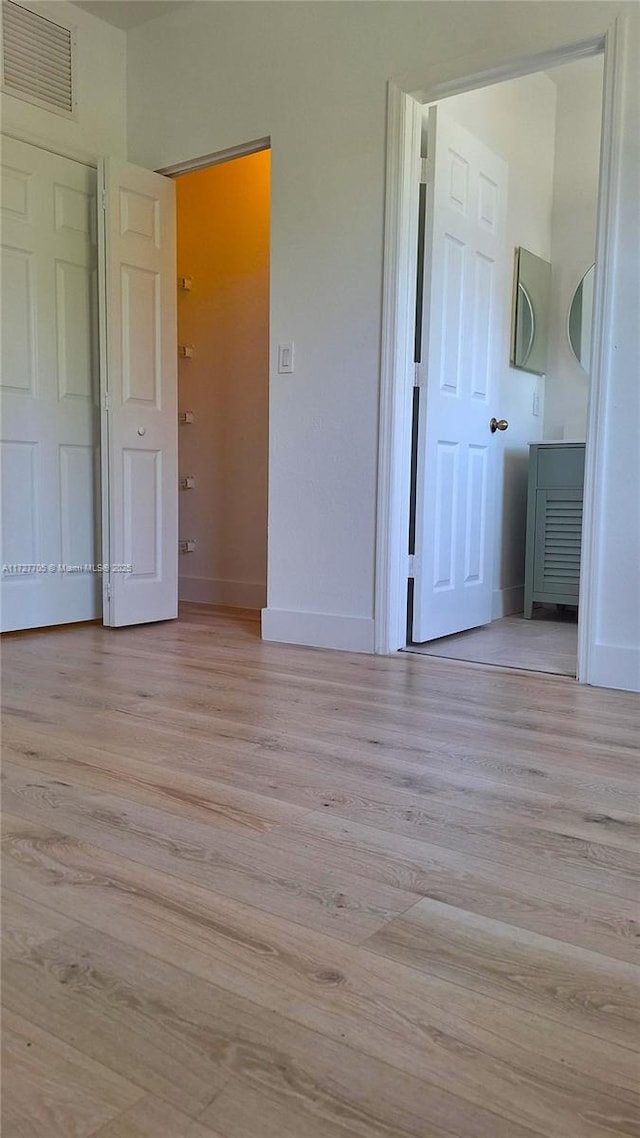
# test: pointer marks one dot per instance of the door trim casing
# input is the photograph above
(405, 101)
(256, 146)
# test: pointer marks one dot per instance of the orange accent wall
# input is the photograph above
(223, 245)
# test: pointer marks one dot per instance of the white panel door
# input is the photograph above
(463, 337)
(50, 412)
(140, 440)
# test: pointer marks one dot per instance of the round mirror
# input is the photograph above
(579, 323)
(525, 326)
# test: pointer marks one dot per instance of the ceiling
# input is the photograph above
(128, 13)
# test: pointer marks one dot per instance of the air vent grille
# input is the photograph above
(37, 58)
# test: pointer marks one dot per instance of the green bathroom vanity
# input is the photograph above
(554, 524)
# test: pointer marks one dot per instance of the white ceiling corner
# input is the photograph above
(128, 13)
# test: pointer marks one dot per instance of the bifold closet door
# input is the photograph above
(49, 390)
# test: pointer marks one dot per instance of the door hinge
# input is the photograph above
(108, 590)
(411, 561)
(107, 401)
(418, 375)
(103, 199)
(426, 171)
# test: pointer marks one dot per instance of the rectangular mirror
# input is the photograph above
(530, 319)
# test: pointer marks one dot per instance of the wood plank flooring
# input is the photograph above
(260, 891)
(546, 643)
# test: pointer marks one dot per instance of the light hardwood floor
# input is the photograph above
(547, 643)
(258, 891)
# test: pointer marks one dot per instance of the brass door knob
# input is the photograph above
(498, 425)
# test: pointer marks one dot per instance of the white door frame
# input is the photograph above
(404, 119)
(216, 157)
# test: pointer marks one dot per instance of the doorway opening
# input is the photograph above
(396, 420)
(598, 663)
(223, 244)
(502, 368)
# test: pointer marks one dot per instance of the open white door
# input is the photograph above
(139, 389)
(465, 277)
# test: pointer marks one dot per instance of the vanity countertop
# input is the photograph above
(558, 443)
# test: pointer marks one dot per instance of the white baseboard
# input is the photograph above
(507, 601)
(318, 630)
(209, 591)
(611, 666)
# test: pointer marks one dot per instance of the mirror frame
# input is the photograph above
(521, 293)
(590, 269)
(540, 311)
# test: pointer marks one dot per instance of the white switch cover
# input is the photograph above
(285, 359)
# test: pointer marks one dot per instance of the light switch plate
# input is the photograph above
(285, 359)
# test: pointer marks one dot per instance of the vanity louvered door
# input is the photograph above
(554, 524)
(558, 538)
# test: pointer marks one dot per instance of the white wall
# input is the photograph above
(516, 120)
(99, 127)
(313, 76)
(573, 236)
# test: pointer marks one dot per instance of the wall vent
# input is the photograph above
(37, 58)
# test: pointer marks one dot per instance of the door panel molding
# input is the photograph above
(50, 419)
(456, 454)
(139, 390)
